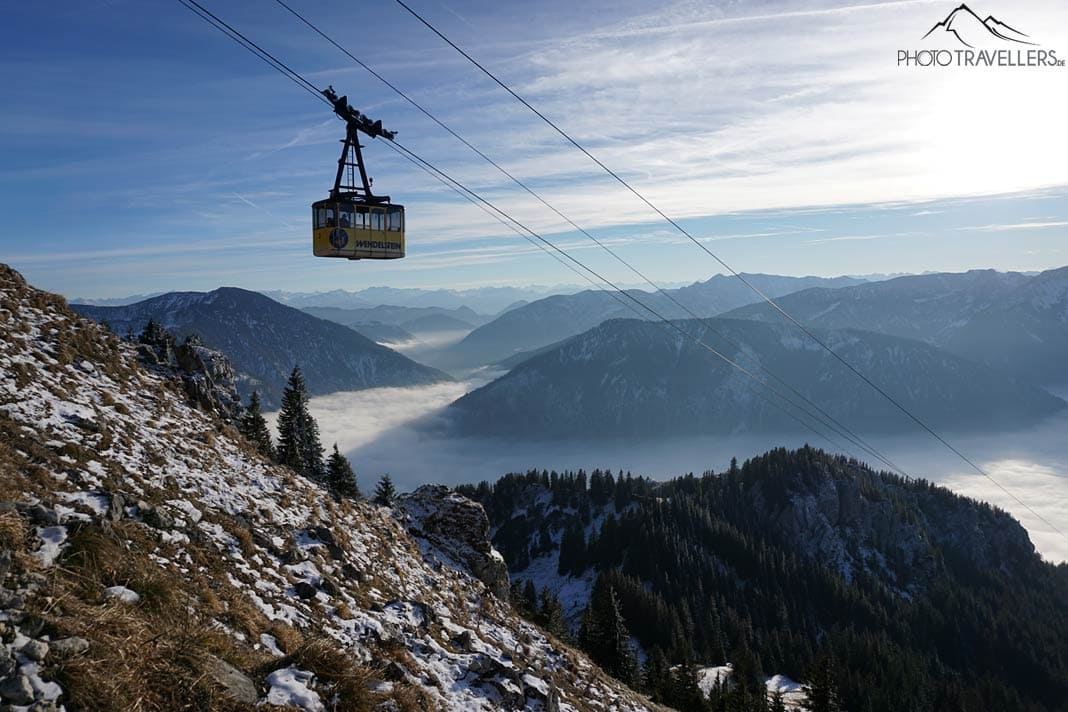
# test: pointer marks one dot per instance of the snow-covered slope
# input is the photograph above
(265, 340)
(199, 576)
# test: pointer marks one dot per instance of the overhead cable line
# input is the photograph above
(838, 426)
(614, 291)
(638, 304)
(224, 27)
(764, 297)
(300, 80)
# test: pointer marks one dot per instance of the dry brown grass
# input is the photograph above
(12, 532)
(288, 637)
(244, 540)
(143, 657)
(411, 699)
(335, 669)
(24, 374)
(140, 661)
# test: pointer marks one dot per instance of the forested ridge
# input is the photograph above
(903, 595)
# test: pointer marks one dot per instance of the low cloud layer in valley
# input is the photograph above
(385, 430)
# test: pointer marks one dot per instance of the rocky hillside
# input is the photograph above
(265, 340)
(151, 560)
(921, 599)
(635, 378)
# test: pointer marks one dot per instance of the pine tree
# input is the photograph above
(551, 615)
(155, 335)
(298, 433)
(254, 427)
(658, 676)
(339, 476)
(685, 692)
(605, 637)
(747, 674)
(530, 597)
(572, 558)
(821, 691)
(385, 491)
(777, 702)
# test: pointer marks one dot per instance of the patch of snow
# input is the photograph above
(52, 539)
(187, 508)
(289, 686)
(46, 691)
(708, 677)
(176, 538)
(269, 642)
(97, 502)
(122, 593)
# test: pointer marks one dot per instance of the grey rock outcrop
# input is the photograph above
(234, 683)
(17, 690)
(69, 647)
(458, 529)
(207, 376)
(36, 650)
(849, 518)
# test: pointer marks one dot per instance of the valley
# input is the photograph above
(533, 357)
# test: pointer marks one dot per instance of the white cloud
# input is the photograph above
(1018, 226)
(392, 430)
(724, 114)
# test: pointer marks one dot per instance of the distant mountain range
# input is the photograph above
(483, 300)
(380, 333)
(417, 320)
(552, 319)
(628, 378)
(265, 340)
(1011, 321)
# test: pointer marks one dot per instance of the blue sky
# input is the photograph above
(143, 151)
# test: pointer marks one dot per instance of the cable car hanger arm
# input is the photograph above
(354, 119)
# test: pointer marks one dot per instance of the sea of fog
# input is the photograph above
(375, 429)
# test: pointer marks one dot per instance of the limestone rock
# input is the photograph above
(234, 683)
(36, 650)
(69, 647)
(17, 690)
(459, 529)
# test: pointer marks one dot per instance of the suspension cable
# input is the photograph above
(764, 297)
(284, 69)
(659, 320)
(267, 57)
(838, 426)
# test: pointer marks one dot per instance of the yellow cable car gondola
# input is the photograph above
(353, 222)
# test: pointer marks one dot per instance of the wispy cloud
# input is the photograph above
(861, 238)
(713, 111)
(1018, 226)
